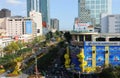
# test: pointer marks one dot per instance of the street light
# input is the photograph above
(79, 74)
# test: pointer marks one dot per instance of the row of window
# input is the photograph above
(96, 1)
(117, 21)
(117, 26)
(15, 20)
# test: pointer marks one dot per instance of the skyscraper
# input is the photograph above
(5, 13)
(54, 24)
(94, 8)
(40, 6)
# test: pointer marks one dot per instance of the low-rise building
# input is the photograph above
(4, 41)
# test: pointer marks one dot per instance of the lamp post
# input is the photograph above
(79, 74)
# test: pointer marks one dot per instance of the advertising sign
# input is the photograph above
(114, 57)
(28, 27)
(100, 55)
(89, 43)
(88, 55)
(114, 52)
(81, 27)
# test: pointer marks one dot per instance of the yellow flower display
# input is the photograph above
(67, 59)
(81, 57)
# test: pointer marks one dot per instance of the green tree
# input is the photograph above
(11, 48)
(14, 46)
(20, 44)
(68, 36)
(49, 35)
(111, 72)
(1, 50)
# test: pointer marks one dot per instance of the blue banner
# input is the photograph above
(28, 27)
(88, 55)
(114, 57)
(100, 55)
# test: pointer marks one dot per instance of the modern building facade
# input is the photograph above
(41, 6)
(94, 8)
(14, 26)
(54, 24)
(110, 23)
(84, 13)
(37, 18)
(5, 13)
(17, 26)
(98, 48)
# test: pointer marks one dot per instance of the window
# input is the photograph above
(10, 20)
(98, 2)
(102, 1)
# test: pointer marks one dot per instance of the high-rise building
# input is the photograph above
(110, 23)
(54, 24)
(84, 14)
(5, 13)
(37, 18)
(41, 6)
(94, 8)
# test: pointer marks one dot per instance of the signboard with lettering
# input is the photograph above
(102, 43)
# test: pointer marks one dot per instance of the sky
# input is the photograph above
(64, 10)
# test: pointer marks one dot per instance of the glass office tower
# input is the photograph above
(41, 6)
(94, 8)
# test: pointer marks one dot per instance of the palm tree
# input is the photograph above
(11, 48)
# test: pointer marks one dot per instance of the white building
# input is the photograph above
(110, 23)
(17, 26)
(83, 27)
(14, 26)
(37, 18)
(4, 41)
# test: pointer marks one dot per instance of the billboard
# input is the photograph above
(88, 55)
(114, 52)
(28, 26)
(96, 53)
(114, 55)
(100, 55)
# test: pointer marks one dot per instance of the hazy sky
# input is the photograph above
(64, 10)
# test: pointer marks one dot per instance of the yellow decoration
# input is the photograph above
(17, 67)
(85, 63)
(81, 60)
(67, 58)
(2, 70)
(67, 66)
(89, 69)
(67, 62)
